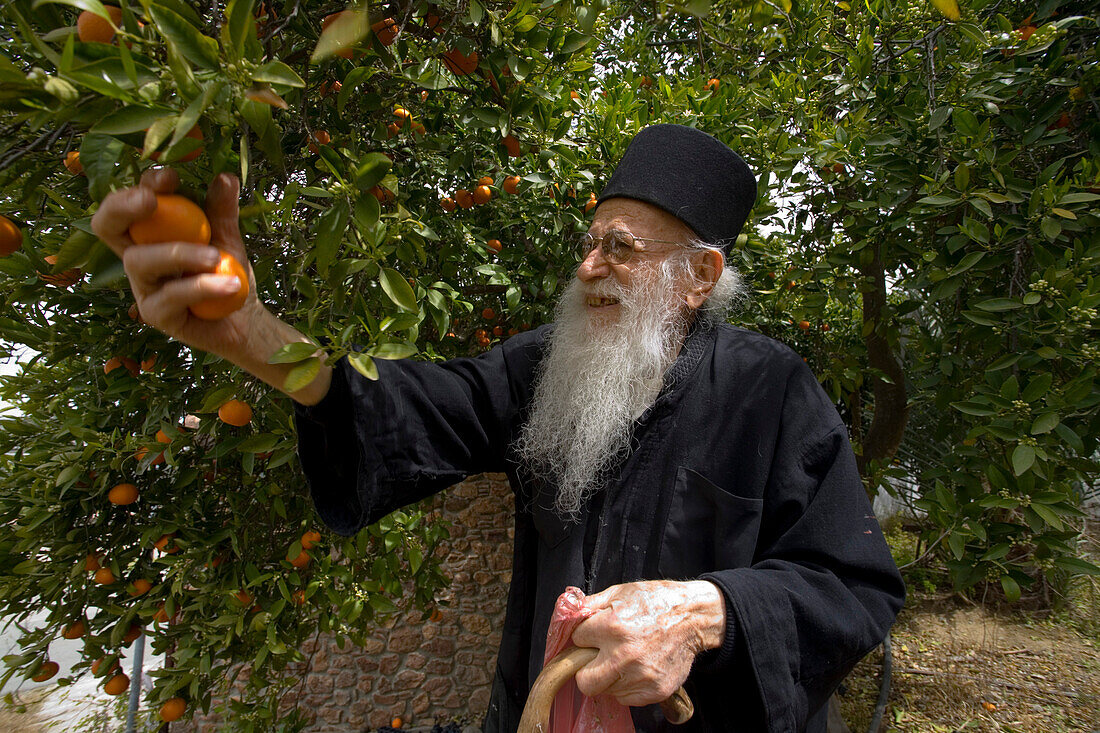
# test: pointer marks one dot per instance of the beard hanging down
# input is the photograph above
(599, 375)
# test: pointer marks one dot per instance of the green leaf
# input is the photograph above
(1070, 437)
(198, 49)
(130, 119)
(974, 408)
(526, 23)
(998, 305)
(292, 353)
(342, 33)
(939, 200)
(94, 6)
(392, 351)
(1038, 387)
(364, 365)
(239, 25)
(938, 117)
(276, 72)
(1004, 362)
(260, 443)
(1050, 227)
(329, 233)
(1077, 566)
(398, 290)
(372, 168)
(967, 262)
(1022, 459)
(302, 375)
(1045, 423)
(1011, 588)
(957, 543)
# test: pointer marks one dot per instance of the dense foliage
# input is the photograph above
(926, 235)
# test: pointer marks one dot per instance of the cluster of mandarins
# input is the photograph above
(482, 194)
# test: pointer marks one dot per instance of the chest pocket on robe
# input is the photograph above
(707, 528)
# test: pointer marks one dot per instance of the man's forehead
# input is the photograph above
(640, 219)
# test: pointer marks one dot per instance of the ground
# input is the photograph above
(962, 667)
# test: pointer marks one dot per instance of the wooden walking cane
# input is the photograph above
(678, 708)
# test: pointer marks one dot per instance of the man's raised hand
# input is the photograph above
(168, 278)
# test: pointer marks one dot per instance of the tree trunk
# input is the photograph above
(891, 410)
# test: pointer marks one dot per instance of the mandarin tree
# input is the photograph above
(927, 188)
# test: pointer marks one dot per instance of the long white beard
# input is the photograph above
(596, 380)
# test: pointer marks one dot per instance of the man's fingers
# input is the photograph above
(222, 208)
(161, 180)
(149, 265)
(172, 299)
(596, 678)
(119, 210)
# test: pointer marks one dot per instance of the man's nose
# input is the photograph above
(593, 266)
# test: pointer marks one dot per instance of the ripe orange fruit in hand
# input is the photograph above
(482, 195)
(73, 631)
(46, 671)
(396, 723)
(235, 413)
(511, 184)
(72, 162)
(123, 494)
(215, 309)
(117, 684)
(494, 244)
(173, 709)
(141, 587)
(11, 238)
(104, 576)
(176, 219)
(91, 28)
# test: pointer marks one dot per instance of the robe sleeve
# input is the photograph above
(372, 446)
(823, 588)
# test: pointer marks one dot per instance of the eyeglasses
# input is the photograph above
(616, 245)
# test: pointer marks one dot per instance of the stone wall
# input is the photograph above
(423, 672)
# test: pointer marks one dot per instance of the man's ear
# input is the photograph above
(707, 267)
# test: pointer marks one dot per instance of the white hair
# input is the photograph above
(597, 378)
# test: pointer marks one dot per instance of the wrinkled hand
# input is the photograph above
(648, 634)
(167, 278)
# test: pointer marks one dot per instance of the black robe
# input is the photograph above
(740, 473)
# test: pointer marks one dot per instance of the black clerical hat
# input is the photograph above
(692, 176)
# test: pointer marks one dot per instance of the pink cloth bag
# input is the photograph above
(573, 712)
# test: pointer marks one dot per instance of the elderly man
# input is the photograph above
(692, 477)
